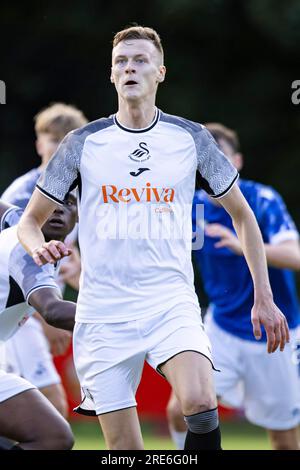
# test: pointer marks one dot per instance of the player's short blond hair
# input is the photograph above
(139, 32)
(58, 119)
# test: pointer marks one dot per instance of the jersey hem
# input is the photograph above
(107, 319)
(10, 209)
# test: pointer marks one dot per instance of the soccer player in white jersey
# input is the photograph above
(35, 363)
(136, 173)
(26, 416)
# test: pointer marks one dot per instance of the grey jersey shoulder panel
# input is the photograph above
(27, 274)
(217, 174)
(63, 170)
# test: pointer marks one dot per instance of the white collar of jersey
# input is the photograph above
(144, 129)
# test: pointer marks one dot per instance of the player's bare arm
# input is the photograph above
(284, 255)
(30, 234)
(264, 311)
(55, 311)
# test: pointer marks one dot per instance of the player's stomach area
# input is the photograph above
(137, 267)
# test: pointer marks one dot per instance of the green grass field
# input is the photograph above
(235, 436)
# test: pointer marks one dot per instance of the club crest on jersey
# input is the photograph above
(140, 154)
(110, 193)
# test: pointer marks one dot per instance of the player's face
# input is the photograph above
(46, 145)
(62, 221)
(136, 69)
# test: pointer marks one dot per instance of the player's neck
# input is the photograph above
(135, 115)
(43, 164)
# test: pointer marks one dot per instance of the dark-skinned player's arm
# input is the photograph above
(55, 311)
(30, 232)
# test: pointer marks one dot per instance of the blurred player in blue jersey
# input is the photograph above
(35, 363)
(25, 415)
(266, 386)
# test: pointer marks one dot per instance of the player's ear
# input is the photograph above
(111, 76)
(38, 147)
(238, 161)
(161, 73)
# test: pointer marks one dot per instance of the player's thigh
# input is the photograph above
(121, 430)
(28, 417)
(180, 351)
(191, 376)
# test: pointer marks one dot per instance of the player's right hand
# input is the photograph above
(50, 252)
(69, 271)
(59, 340)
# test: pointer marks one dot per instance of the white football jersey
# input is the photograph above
(19, 278)
(136, 188)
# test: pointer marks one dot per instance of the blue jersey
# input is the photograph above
(226, 276)
(20, 191)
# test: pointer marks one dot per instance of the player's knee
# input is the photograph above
(60, 439)
(204, 422)
(67, 439)
(174, 413)
(198, 402)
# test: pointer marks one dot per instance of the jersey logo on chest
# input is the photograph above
(139, 172)
(140, 154)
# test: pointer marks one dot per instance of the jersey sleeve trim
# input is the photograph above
(10, 209)
(223, 193)
(284, 236)
(49, 196)
(34, 289)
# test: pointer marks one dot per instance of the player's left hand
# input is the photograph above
(266, 313)
(227, 238)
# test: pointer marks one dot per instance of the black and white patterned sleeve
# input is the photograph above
(28, 275)
(217, 174)
(62, 172)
